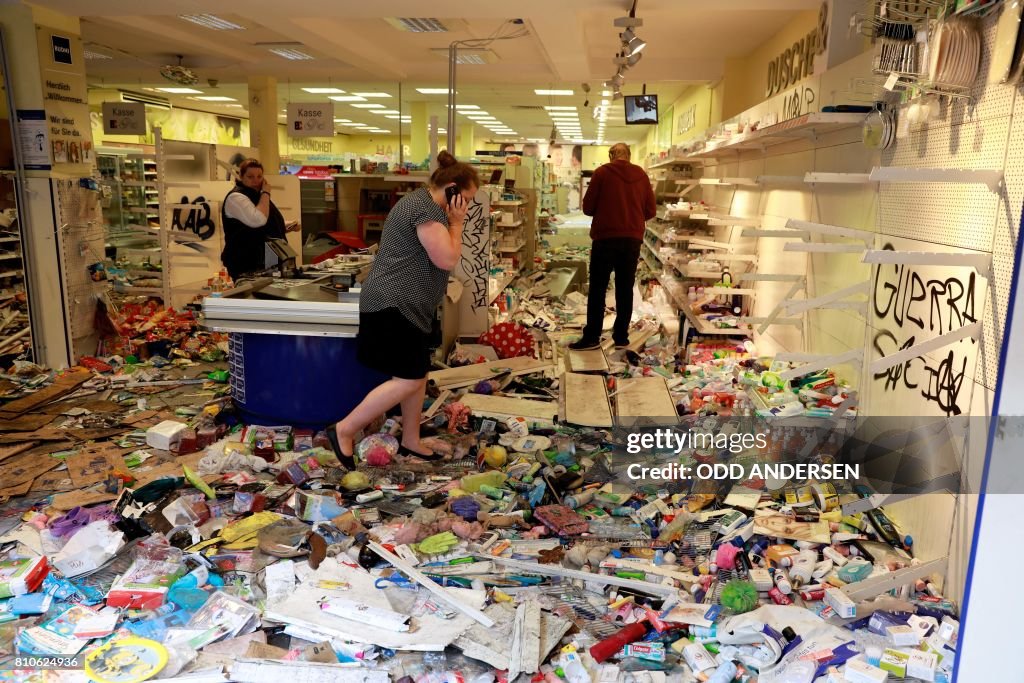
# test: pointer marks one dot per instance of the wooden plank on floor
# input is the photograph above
(64, 384)
(470, 374)
(500, 407)
(587, 361)
(644, 399)
(586, 400)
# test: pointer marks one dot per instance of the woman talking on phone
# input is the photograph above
(420, 245)
(250, 219)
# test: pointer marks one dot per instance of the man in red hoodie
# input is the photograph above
(621, 201)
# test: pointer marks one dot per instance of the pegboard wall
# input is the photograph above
(82, 238)
(983, 132)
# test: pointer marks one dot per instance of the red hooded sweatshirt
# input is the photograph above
(620, 199)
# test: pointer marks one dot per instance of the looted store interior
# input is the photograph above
(600, 341)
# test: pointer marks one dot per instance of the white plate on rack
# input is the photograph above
(1006, 42)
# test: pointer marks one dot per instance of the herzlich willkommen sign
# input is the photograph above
(311, 120)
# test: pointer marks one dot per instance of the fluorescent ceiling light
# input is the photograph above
(560, 108)
(233, 105)
(417, 25)
(211, 21)
(324, 91)
(606, 93)
(181, 91)
(215, 98)
(347, 98)
(434, 91)
(290, 53)
(393, 116)
(368, 105)
(466, 106)
(372, 94)
(553, 92)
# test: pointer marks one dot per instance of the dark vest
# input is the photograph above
(244, 246)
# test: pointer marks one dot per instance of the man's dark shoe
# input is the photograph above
(585, 345)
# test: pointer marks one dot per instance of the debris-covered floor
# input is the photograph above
(148, 534)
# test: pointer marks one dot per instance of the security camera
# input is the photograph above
(213, 82)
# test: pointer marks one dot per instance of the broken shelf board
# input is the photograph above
(586, 400)
(587, 361)
(501, 407)
(471, 374)
(644, 398)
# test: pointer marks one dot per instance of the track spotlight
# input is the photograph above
(631, 43)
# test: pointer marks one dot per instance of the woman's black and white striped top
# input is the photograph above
(402, 275)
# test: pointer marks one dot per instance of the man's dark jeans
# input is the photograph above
(619, 255)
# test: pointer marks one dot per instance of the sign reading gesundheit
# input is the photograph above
(124, 118)
(314, 119)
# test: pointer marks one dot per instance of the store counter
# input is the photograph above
(292, 349)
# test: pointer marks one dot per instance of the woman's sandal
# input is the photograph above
(348, 461)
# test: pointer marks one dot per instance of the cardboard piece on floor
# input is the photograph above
(57, 480)
(432, 634)
(90, 466)
(95, 434)
(66, 501)
(586, 400)
(61, 386)
(270, 671)
(26, 423)
(524, 655)
(587, 361)
(132, 420)
(501, 407)
(37, 435)
(644, 399)
(490, 645)
(15, 449)
(23, 469)
(470, 374)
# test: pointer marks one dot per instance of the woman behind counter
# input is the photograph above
(420, 244)
(250, 219)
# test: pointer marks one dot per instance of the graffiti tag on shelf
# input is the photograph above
(904, 300)
(198, 218)
(474, 255)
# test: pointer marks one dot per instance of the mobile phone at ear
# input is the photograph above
(449, 193)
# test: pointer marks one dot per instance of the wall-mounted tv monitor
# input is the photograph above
(641, 109)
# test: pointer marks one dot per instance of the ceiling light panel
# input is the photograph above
(347, 98)
(181, 91)
(291, 54)
(211, 21)
(553, 92)
(372, 94)
(215, 98)
(434, 91)
(367, 105)
(324, 91)
(413, 25)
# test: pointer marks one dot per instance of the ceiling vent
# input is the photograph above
(148, 100)
(418, 25)
(468, 56)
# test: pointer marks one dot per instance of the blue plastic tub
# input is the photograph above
(293, 380)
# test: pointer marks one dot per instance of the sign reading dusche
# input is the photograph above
(124, 118)
(311, 120)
